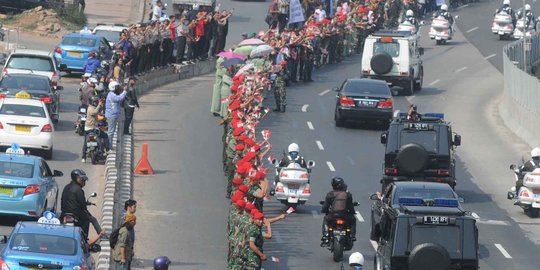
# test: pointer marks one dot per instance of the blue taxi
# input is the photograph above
(27, 185)
(74, 48)
(47, 244)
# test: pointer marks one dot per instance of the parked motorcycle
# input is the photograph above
(522, 30)
(441, 30)
(502, 25)
(292, 183)
(94, 146)
(339, 236)
(528, 196)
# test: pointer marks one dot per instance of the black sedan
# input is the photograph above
(363, 100)
(409, 193)
(38, 86)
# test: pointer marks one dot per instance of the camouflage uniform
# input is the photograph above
(307, 58)
(280, 93)
(232, 224)
(230, 152)
(253, 262)
(242, 250)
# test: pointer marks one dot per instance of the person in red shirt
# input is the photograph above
(172, 27)
(201, 20)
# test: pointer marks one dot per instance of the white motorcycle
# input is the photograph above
(522, 31)
(441, 30)
(292, 184)
(528, 196)
(502, 25)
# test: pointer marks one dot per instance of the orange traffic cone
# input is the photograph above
(143, 167)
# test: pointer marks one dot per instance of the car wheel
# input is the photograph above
(375, 233)
(381, 63)
(340, 122)
(412, 158)
(418, 85)
(48, 154)
(429, 256)
(410, 87)
(533, 212)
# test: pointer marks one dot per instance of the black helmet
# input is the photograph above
(94, 101)
(78, 173)
(338, 183)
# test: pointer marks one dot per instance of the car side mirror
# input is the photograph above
(457, 140)
(62, 67)
(512, 166)
(95, 248)
(3, 240)
(321, 202)
(335, 89)
(58, 87)
(384, 138)
(93, 195)
(356, 204)
(2, 61)
(374, 197)
(421, 51)
(57, 173)
(311, 163)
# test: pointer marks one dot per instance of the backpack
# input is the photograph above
(113, 238)
(339, 205)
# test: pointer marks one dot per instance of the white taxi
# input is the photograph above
(26, 122)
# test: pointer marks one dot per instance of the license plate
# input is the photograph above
(6, 191)
(501, 33)
(293, 190)
(366, 103)
(75, 54)
(438, 38)
(435, 220)
(90, 144)
(23, 128)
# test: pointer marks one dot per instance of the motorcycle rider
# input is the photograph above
(293, 156)
(92, 113)
(87, 91)
(91, 64)
(412, 113)
(409, 17)
(161, 263)
(356, 261)
(338, 204)
(74, 201)
(508, 10)
(528, 166)
(530, 20)
(445, 14)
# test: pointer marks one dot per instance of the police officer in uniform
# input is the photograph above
(280, 92)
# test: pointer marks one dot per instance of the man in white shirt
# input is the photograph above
(156, 11)
(319, 14)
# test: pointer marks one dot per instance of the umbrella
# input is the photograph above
(244, 69)
(231, 62)
(251, 41)
(245, 50)
(230, 55)
(261, 51)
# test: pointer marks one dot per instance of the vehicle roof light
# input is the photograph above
(403, 115)
(386, 40)
(446, 202)
(15, 149)
(411, 201)
(23, 94)
(49, 218)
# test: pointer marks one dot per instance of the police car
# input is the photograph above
(419, 150)
(427, 234)
(27, 184)
(47, 244)
(26, 122)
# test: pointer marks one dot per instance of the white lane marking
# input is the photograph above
(330, 166)
(277, 236)
(374, 244)
(324, 92)
(434, 82)
(472, 29)
(319, 144)
(350, 160)
(493, 222)
(159, 213)
(410, 98)
(396, 113)
(489, 56)
(310, 125)
(359, 217)
(304, 108)
(315, 214)
(464, 6)
(475, 215)
(460, 69)
(503, 251)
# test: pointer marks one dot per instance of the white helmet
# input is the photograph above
(409, 13)
(506, 2)
(93, 80)
(113, 85)
(293, 147)
(444, 7)
(528, 7)
(356, 259)
(534, 153)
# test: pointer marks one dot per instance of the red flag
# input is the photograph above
(266, 133)
(275, 259)
(290, 210)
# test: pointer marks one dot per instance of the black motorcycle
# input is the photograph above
(81, 121)
(94, 146)
(339, 236)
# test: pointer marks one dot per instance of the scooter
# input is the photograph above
(339, 236)
(522, 31)
(94, 146)
(502, 25)
(441, 30)
(528, 196)
(292, 183)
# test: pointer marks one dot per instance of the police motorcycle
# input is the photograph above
(502, 25)
(441, 30)
(95, 149)
(292, 185)
(522, 29)
(339, 236)
(528, 196)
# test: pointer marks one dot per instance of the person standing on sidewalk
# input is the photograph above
(283, 16)
(181, 32)
(172, 28)
(130, 207)
(166, 44)
(129, 104)
(123, 250)
(112, 107)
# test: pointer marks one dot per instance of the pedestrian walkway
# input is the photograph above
(114, 11)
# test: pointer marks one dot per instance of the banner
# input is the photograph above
(296, 14)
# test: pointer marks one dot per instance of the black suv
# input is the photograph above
(419, 150)
(427, 234)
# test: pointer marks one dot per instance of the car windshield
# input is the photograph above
(23, 110)
(15, 169)
(79, 41)
(391, 48)
(31, 63)
(41, 243)
(111, 36)
(366, 88)
(33, 84)
(446, 236)
(424, 193)
(425, 138)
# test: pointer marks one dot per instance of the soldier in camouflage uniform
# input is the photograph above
(280, 92)
(307, 58)
(255, 254)
(391, 13)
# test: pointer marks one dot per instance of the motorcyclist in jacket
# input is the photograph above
(87, 91)
(508, 10)
(356, 261)
(530, 20)
(92, 112)
(293, 156)
(445, 14)
(91, 64)
(338, 204)
(409, 17)
(528, 166)
(73, 201)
